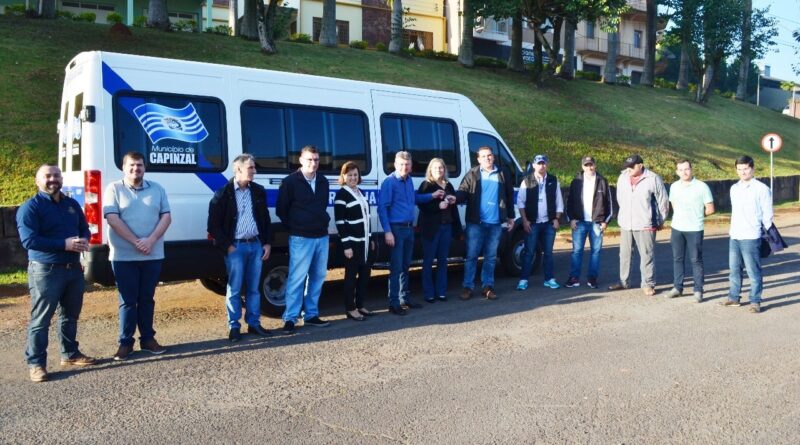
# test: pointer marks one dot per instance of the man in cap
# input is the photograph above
(643, 204)
(540, 206)
(589, 209)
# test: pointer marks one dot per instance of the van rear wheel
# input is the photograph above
(273, 288)
(512, 255)
(215, 285)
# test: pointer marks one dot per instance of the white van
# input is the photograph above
(207, 114)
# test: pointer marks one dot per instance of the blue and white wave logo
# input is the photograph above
(162, 122)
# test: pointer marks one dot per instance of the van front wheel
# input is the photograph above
(273, 289)
(512, 255)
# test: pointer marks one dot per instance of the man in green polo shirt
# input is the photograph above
(691, 202)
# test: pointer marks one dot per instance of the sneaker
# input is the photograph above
(730, 303)
(442, 297)
(316, 322)
(698, 297)
(572, 282)
(649, 291)
(397, 310)
(38, 374)
(489, 293)
(430, 299)
(592, 283)
(288, 328)
(152, 347)
(672, 293)
(522, 285)
(618, 286)
(552, 284)
(234, 335)
(755, 308)
(258, 330)
(123, 352)
(466, 293)
(78, 360)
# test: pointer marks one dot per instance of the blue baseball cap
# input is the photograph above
(540, 158)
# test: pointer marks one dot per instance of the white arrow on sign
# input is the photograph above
(771, 142)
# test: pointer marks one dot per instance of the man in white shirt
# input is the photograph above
(751, 210)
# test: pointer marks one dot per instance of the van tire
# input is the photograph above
(214, 285)
(512, 255)
(274, 276)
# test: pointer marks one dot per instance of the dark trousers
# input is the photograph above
(687, 244)
(136, 282)
(356, 280)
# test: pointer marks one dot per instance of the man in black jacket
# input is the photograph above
(239, 223)
(489, 194)
(589, 209)
(303, 208)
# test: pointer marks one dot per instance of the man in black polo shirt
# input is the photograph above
(53, 229)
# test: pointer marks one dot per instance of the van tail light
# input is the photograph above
(92, 205)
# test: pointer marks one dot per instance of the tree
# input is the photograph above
(796, 66)
(648, 73)
(504, 9)
(396, 40)
(465, 55)
(567, 66)
(47, 9)
(515, 62)
(741, 90)
(266, 26)
(249, 26)
(327, 35)
(157, 15)
(233, 16)
(610, 70)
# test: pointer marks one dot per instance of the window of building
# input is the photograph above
(637, 39)
(342, 30)
(424, 137)
(589, 30)
(275, 134)
(419, 40)
(502, 158)
(87, 5)
(501, 26)
(175, 133)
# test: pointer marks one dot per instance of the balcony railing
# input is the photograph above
(601, 46)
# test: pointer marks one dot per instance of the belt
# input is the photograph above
(59, 265)
(247, 240)
(402, 224)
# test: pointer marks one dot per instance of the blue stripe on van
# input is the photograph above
(112, 82)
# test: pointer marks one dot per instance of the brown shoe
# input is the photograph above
(123, 352)
(755, 308)
(489, 293)
(152, 347)
(617, 286)
(38, 374)
(466, 293)
(78, 360)
(649, 291)
(730, 303)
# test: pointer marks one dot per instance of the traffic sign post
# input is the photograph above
(772, 143)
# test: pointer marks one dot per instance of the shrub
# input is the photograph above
(114, 18)
(444, 55)
(140, 21)
(184, 25)
(300, 38)
(380, 46)
(588, 75)
(660, 82)
(85, 17)
(692, 87)
(489, 62)
(359, 44)
(16, 9)
(224, 30)
(623, 80)
(65, 15)
(728, 94)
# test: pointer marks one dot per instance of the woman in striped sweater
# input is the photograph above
(351, 213)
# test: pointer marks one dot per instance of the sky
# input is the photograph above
(781, 56)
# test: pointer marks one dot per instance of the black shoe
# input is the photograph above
(316, 322)
(365, 312)
(413, 305)
(288, 328)
(258, 330)
(397, 310)
(442, 297)
(358, 317)
(430, 300)
(234, 335)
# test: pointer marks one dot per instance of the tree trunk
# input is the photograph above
(47, 9)
(567, 66)
(538, 63)
(266, 26)
(648, 74)
(515, 62)
(327, 35)
(157, 15)
(396, 42)
(683, 69)
(704, 89)
(233, 16)
(610, 71)
(555, 48)
(744, 65)
(465, 55)
(249, 25)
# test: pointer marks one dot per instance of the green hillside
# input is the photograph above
(564, 120)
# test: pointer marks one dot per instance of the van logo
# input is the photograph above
(162, 122)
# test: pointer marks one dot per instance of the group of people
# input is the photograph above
(53, 229)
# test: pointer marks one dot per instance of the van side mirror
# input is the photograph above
(88, 113)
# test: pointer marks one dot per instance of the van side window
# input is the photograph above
(502, 157)
(76, 135)
(175, 133)
(62, 139)
(275, 134)
(424, 137)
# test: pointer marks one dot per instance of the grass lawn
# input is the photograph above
(564, 120)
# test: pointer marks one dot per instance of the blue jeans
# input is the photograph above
(244, 267)
(308, 264)
(584, 229)
(543, 234)
(400, 260)
(483, 239)
(53, 287)
(744, 253)
(136, 282)
(683, 243)
(436, 248)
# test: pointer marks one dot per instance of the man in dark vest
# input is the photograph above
(540, 206)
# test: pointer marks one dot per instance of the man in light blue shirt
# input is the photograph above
(691, 202)
(751, 211)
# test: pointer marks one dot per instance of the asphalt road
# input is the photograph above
(541, 366)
